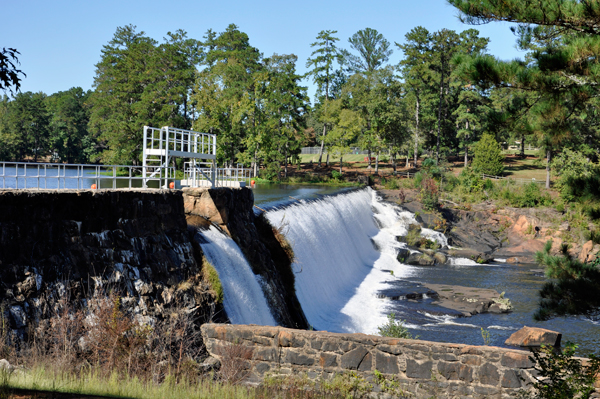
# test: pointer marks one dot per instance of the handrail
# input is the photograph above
(24, 175)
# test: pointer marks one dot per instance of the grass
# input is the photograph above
(41, 378)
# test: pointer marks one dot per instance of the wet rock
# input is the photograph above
(420, 259)
(403, 255)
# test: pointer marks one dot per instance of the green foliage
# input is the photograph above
(561, 375)
(429, 194)
(140, 83)
(578, 176)
(336, 175)
(9, 74)
(373, 49)
(394, 328)
(488, 158)
(573, 289)
(485, 334)
(212, 276)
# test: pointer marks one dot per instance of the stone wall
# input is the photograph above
(70, 244)
(422, 369)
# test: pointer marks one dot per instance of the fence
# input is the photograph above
(23, 175)
(514, 179)
(196, 176)
(315, 150)
(484, 176)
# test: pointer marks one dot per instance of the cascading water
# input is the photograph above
(244, 300)
(344, 256)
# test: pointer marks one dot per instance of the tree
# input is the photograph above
(25, 131)
(488, 158)
(323, 71)
(373, 51)
(225, 91)
(9, 74)
(68, 128)
(561, 37)
(574, 288)
(346, 127)
(139, 83)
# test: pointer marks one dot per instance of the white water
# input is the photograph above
(243, 297)
(338, 269)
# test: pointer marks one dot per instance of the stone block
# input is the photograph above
(471, 360)
(385, 363)
(262, 368)
(511, 379)
(455, 371)
(418, 370)
(488, 374)
(298, 359)
(393, 349)
(266, 354)
(328, 360)
(449, 357)
(534, 337)
(352, 359)
(515, 360)
(367, 363)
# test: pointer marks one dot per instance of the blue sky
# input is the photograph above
(60, 40)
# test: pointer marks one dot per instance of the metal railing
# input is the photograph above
(23, 175)
(197, 176)
(517, 180)
(156, 141)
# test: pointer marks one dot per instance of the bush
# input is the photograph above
(561, 376)
(336, 175)
(430, 195)
(394, 328)
(488, 156)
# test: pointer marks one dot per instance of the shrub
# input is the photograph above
(394, 328)
(560, 375)
(430, 195)
(488, 156)
(336, 175)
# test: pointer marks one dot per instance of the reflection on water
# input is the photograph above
(267, 195)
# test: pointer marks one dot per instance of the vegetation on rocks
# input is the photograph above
(394, 328)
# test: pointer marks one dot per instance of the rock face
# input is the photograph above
(531, 337)
(232, 210)
(420, 368)
(70, 244)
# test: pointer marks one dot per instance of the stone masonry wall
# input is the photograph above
(422, 369)
(70, 244)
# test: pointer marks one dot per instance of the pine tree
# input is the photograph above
(488, 158)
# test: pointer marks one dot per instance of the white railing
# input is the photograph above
(170, 139)
(23, 175)
(197, 176)
(515, 179)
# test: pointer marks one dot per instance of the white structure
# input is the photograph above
(162, 146)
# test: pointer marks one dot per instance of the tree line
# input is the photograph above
(442, 96)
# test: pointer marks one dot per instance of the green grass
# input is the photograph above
(119, 386)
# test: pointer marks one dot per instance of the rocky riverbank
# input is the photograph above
(486, 231)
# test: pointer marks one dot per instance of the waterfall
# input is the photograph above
(345, 247)
(244, 300)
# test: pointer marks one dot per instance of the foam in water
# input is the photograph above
(243, 297)
(345, 248)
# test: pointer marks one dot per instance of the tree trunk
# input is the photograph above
(285, 170)
(439, 127)
(322, 144)
(369, 158)
(327, 162)
(341, 163)
(416, 154)
(548, 156)
(377, 163)
(467, 146)
(523, 145)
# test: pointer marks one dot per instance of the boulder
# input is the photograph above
(440, 258)
(528, 337)
(403, 255)
(418, 259)
(586, 251)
